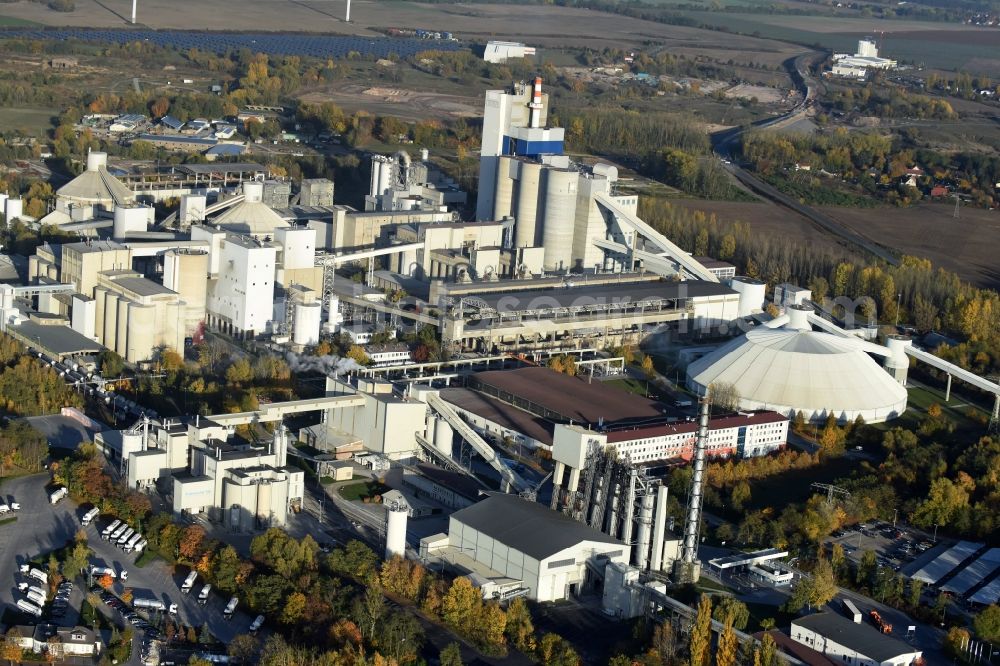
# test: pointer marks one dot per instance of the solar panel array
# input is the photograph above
(314, 45)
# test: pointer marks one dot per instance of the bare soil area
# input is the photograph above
(398, 102)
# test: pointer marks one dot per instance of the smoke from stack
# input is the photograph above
(331, 366)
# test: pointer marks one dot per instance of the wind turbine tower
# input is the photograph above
(347, 19)
(133, 11)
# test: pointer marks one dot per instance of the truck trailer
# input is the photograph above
(153, 604)
(29, 608)
(89, 516)
(206, 589)
(230, 608)
(56, 495)
(115, 524)
(188, 583)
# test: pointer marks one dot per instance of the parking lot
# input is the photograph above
(41, 527)
(894, 547)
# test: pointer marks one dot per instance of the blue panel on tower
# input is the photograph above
(523, 148)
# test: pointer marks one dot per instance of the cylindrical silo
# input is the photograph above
(376, 178)
(384, 176)
(408, 262)
(752, 295)
(308, 317)
(185, 270)
(645, 529)
(96, 160)
(504, 189)
(429, 428)
(142, 332)
(443, 436)
(526, 230)
(110, 321)
(395, 530)
(559, 218)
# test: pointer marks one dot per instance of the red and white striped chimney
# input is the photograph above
(536, 102)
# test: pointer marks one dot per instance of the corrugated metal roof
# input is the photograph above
(529, 527)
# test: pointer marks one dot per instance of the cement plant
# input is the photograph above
(503, 407)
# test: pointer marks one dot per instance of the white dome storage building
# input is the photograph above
(790, 368)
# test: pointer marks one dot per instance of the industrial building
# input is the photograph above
(852, 643)
(397, 183)
(500, 52)
(857, 66)
(510, 546)
(787, 367)
(92, 192)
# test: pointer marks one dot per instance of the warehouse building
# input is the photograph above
(852, 643)
(500, 52)
(515, 546)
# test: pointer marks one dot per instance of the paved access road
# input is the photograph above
(42, 527)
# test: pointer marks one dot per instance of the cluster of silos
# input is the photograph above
(543, 199)
(382, 174)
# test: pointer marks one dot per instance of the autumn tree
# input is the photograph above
(700, 641)
(554, 650)
(726, 652)
(12, 650)
(242, 648)
(520, 629)
(461, 605)
(189, 546)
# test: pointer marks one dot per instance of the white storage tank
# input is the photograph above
(526, 229)
(384, 176)
(443, 437)
(253, 191)
(429, 428)
(752, 293)
(96, 160)
(395, 530)
(308, 317)
(559, 218)
(502, 198)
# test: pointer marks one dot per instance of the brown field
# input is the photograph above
(545, 26)
(396, 101)
(968, 246)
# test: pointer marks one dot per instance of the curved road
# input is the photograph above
(727, 142)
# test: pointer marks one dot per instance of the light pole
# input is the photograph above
(935, 532)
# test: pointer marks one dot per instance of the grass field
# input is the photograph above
(32, 121)
(362, 490)
(12, 22)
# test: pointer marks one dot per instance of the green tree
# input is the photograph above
(731, 609)
(451, 655)
(554, 650)
(987, 623)
(110, 364)
(520, 629)
(823, 584)
(916, 590)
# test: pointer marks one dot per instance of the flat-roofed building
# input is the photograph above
(850, 643)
